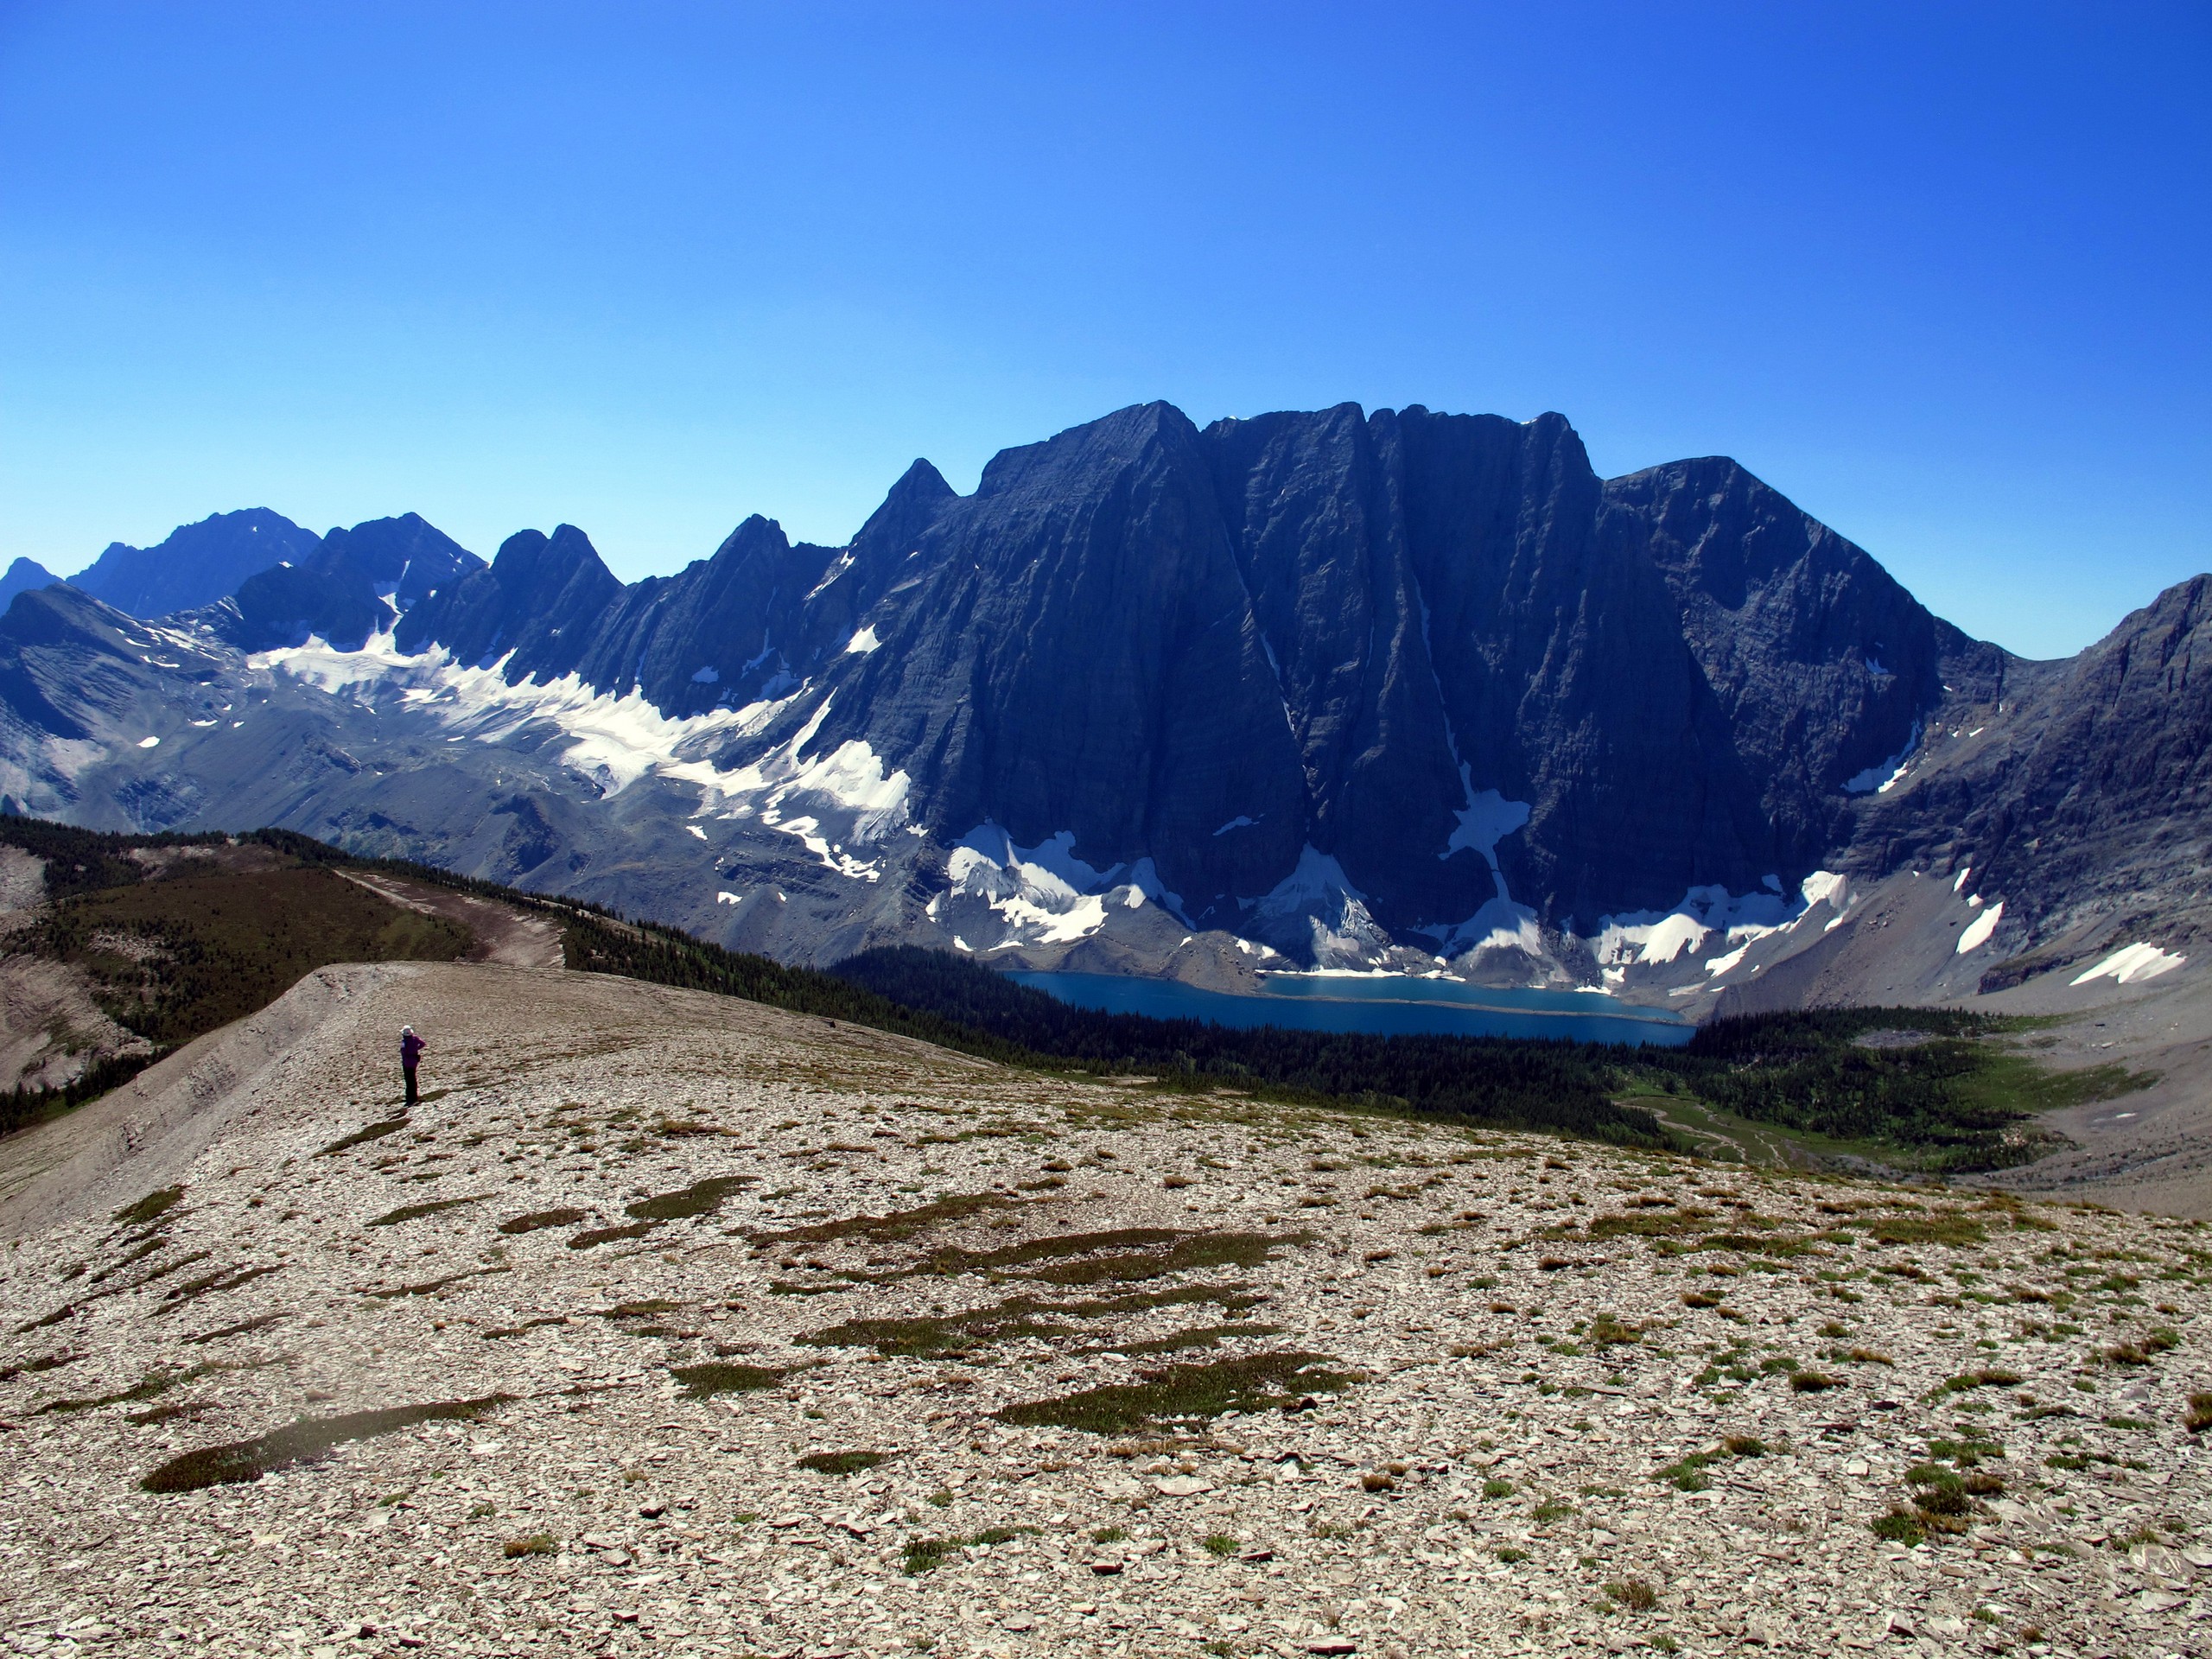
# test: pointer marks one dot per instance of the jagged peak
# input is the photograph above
(921, 482)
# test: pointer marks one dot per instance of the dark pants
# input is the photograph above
(409, 1070)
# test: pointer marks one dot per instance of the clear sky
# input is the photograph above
(1937, 272)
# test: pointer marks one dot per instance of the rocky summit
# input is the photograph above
(1397, 690)
(672, 1322)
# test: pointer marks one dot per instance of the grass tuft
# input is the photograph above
(842, 1463)
(721, 1376)
(1634, 1594)
(1187, 1393)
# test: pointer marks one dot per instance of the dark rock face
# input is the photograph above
(354, 584)
(1818, 664)
(327, 597)
(2085, 784)
(1412, 643)
(539, 600)
(405, 559)
(1339, 630)
(198, 564)
(1334, 681)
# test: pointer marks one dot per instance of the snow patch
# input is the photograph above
(863, 642)
(1316, 906)
(1240, 821)
(1720, 965)
(727, 898)
(696, 830)
(2133, 963)
(706, 677)
(1487, 819)
(1979, 930)
(1879, 780)
(838, 566)
(1712, 917)
(1044, 894)
(1961, 881)
(1650, 938)
(846, 797)
(149, 742)
(1500, 924)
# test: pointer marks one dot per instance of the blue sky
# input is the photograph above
(1938, 273)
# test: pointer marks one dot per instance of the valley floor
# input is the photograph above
(1137, 1372)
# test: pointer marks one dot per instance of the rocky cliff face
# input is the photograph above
(2076, 789)
(1436, 651)
(1355, 689)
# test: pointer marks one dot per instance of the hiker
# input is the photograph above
(410, 1053)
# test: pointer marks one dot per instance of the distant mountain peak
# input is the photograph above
(197, 563)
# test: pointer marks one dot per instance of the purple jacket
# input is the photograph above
(411, 1049)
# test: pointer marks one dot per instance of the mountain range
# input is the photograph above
(1358, 690)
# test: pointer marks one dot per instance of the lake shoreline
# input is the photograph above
(1381, 1005)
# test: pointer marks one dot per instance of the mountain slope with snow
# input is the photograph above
(1397, 690)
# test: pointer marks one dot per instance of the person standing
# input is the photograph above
(410, 1054)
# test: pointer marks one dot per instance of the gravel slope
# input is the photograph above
(1538, 1369)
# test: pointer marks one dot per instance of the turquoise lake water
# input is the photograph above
(1380, 1007)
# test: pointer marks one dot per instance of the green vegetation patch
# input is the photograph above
(303, 1442)
(1123, 1255)
(700, 1198)
(897, 1226)
(432, 1287)
(415, 1211)
(154, 1384)
(920, 1555)
(208, 1283)
(1954, 1227)
(367, 1133)
(1187, 1393)
(240, 1329)
(157, 1203)
(717, 1376)
(928, 1336)
(206, 949)
(1960, 1099)
(842, 1463)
